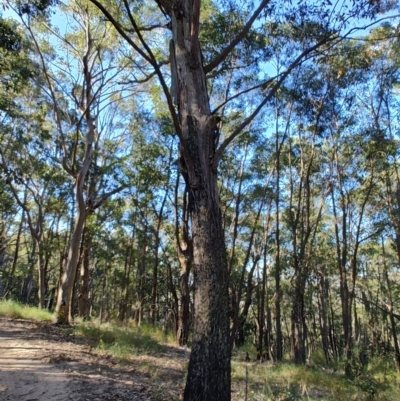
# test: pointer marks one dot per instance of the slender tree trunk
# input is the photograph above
(240, 336)
(16, 254)
(238, 321)
(184, 247)
(154, 290)
(63, 310)
(298, 351)
(323, 316)
(393, 201)
(42, 279)
(127, 276)
(28, 282)
(83, 296)
(341, 250)
(278, 323)
(103, 306)
(140, 280)
(262, 294)
(184, 310)
(278, 296)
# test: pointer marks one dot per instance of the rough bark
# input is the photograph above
(209, 366)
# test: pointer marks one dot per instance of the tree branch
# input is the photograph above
(156, 67)
(148, 57)
(105, 196)
(272, 92)
(120, 30)
(233, 97)
(225, 53)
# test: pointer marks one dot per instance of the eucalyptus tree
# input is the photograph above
(84, 80)
(184, 247)
(245, 197)
(352, 175)
(13, 77)
(307, 119)
(194, 66)
(27, 155)
(33, 176)
(382, 108)
(154, 168)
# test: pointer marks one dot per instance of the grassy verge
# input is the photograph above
(123, 341)
(288, 382)
(16, 310)
(153, 354)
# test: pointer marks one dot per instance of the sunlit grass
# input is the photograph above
(123, 341)
(18, 311)
(286, 381)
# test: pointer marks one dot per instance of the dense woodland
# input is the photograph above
(227, 171)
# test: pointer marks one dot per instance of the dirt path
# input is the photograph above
(38, 362)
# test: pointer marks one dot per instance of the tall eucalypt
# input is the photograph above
(209, 372)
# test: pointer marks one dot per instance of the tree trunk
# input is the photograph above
(184, 247)
(209, 372)
(16, 255)
(323, 316)
(83, 296)
(127, 273)
(184, 310)
(341, 251)
(209, 366)
(28, 282)
(262, 295)
(41, 277)
(63, 311)
(298, 351)
(154, 289)
(278, 334)
(239, 321)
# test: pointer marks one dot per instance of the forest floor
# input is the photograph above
(40, 362)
